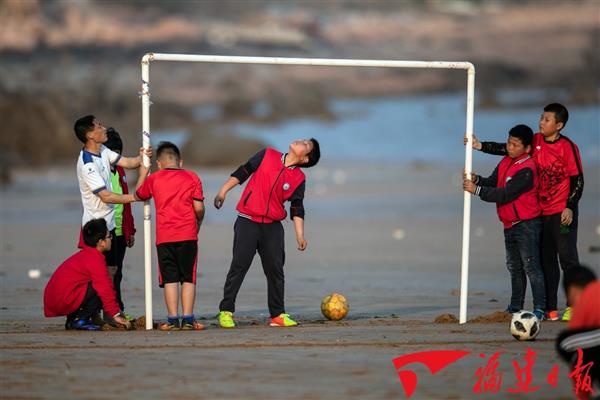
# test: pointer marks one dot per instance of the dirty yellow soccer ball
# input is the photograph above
(334, 306)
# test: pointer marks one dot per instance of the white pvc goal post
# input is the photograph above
(470, 68)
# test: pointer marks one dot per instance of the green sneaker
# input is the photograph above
(567, 314)
(283, 320)
(226, 319)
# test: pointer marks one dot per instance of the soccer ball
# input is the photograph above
(334, 306)
(524, 325)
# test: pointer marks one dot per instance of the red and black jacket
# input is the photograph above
(67, 286)
(513, 186)
(576, 181)
(271, 184)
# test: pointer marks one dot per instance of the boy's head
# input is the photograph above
(307, 150)
(114, 141)
(96, 234)
(574, 282)
(553, 119)
(519, 141)
(88, 128)
(168, 156)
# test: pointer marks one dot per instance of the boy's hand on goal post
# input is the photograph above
(469, 186)
(146, 152)
(473, 176)
(476, 142)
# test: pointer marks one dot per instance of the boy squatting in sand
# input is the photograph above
(81, 285)
(179, 204)
(513, 186)
(274, 179)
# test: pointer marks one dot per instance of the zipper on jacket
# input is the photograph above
(516, 212)
(271, 193)
(247, 197)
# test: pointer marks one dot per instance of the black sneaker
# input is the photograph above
(81, 325)
(97, 319)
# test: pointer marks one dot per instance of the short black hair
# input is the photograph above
(561, 114)
(94, 231)
(314, 155)
(114, 141)
(578, 276)
(82, 126)
(523, 133)
(168, 149)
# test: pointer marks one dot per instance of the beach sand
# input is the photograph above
(386, 236)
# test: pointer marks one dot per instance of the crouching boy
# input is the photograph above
(81, 286)
(513, 187)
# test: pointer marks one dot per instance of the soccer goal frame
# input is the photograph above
(323, 62)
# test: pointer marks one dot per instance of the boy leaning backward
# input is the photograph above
(274, 179)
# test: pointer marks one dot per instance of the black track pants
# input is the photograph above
(268, 240)
(557, 244)
(90, 305)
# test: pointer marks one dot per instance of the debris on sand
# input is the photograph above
(446, 319)
(109, 327)
(495, 317)
(139, 323)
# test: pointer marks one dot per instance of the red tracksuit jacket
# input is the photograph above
(269, 187)
(66, 288)
(527, 205)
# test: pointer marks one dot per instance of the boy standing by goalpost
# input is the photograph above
(124, 223)
(93, 174)
(179, 204)
(276, 178)
(513, 186)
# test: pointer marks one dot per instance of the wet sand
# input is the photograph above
(387, 237)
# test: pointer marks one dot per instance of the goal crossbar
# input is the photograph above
(324, 62)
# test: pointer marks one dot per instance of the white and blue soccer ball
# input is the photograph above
(524, 325)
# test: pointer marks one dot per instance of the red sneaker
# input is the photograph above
(283, 320)
(552, 315)
(195, 326)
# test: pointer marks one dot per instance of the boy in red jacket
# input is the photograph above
(513, 186)
(81, 285)
(276, 178)
(124, 225)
